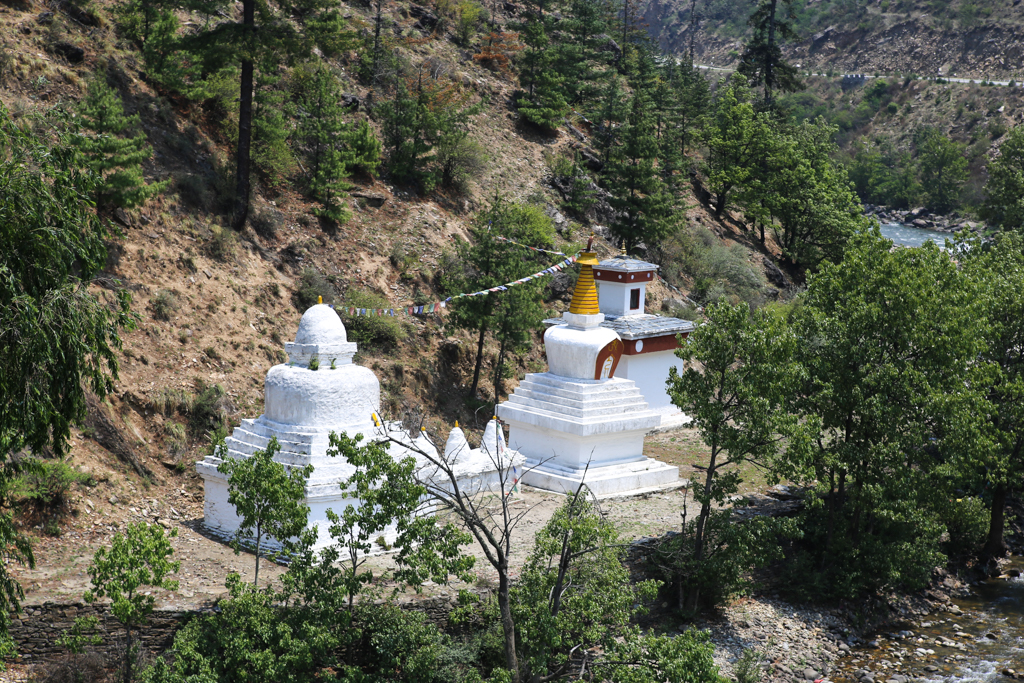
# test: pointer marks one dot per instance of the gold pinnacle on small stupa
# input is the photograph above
(319, 299)
(456, 424)
(584, 296)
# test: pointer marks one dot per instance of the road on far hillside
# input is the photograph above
(945, 79)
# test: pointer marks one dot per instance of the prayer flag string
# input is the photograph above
(437, 306)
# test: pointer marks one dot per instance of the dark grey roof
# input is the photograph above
(625, 263)
(640, 326)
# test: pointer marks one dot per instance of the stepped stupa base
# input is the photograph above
(574, 430)
(627, 478)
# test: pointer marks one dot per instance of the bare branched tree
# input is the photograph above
(483, 506)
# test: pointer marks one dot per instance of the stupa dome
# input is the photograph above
(321, 335)
(320, 325)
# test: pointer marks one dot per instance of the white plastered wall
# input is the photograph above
(649, 371)
(613, 297)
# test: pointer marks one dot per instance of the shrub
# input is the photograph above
(169, 401)
(266, 222)
(459, 159)
(164, 304)
(313, 284)
(382, 332)
(748, 667)
(88, 667)
(209, 409)
(196, 191)
(177, 443)
(43, 490)
(223, 243)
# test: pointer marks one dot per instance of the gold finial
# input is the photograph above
(623, 247)
(423, 429)
(319, 299)
(456, 424)
(584, 296)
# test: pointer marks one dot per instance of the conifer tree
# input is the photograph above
(638, 191)
(262, 33)
(321, 127)
(271, 128)
(761, 61)
(117, 159)
(612, 112)
(360, 148)
(543, 103)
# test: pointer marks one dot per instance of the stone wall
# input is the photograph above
(38, 627)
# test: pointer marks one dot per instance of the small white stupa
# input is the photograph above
(304, 404)
(578, 421)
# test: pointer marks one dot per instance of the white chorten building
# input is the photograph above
(579, 421)
(304, 404)
(649, 341)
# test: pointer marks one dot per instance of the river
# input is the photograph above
(979, 640)
(907, 236)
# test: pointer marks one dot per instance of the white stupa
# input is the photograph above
(578, 421)
(649, 341)
(303, 406)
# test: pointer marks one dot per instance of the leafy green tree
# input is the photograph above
(139, 558)
(885, 176)
(942, 166)
(489, 262)
(573, 595)
(267, 498)
(388, 496)
(738, 375)
(805, 195)
(1004, 200)
(736, 137)
(57, 340)
(116, 159)
(884, 340)
(990, 446)
(638, 191)
(761, 61)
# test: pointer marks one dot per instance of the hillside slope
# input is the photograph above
(981, 40)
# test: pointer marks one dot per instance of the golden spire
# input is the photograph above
(584, 296)
(624, 247)
(319, 299)
(456, 424)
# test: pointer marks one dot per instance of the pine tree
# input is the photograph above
(547, 107)
(543, 103)
(271, 128)
(321, 128)
(360, 148)
(612, 112)
(117, 159)
(761, 61)
(638, 191)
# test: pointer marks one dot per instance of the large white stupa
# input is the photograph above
(578, 421)
(304, 404)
